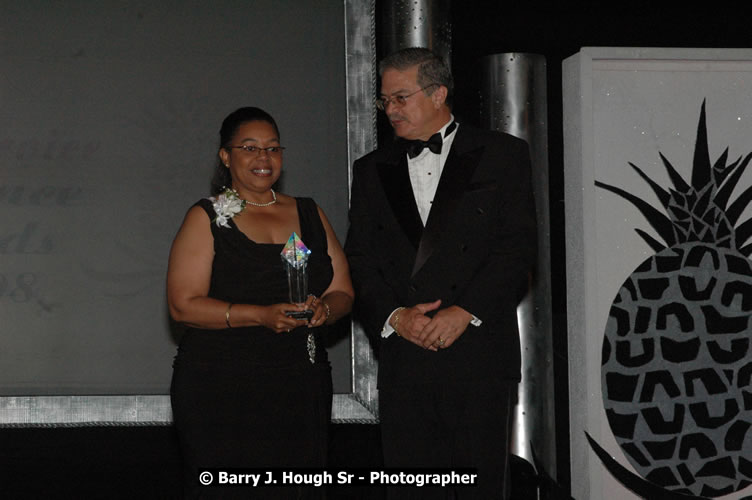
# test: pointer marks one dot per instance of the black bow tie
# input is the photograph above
(415, 147)
(434, 143)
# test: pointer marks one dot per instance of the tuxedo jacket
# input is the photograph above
(476, 251)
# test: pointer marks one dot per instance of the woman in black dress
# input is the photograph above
(251, 385)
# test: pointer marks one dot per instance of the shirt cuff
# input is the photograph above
(476, 321)
(387, 329)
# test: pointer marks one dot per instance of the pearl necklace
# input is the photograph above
(274, 200)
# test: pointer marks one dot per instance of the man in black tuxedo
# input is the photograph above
(440, 245)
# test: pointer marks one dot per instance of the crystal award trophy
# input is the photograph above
(295, 258)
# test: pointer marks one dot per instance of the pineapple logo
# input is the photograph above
(676, 370)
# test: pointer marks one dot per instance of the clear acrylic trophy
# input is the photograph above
(295, 258)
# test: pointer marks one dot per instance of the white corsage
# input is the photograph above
(227, 205)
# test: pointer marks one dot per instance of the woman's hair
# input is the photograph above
(230, 125)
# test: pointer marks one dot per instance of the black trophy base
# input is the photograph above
(307, 314)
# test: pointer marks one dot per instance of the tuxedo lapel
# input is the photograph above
(398, 188)
(455, 175)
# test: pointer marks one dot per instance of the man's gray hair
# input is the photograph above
(432, 68)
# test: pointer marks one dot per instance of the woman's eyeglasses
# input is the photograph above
(255, 150)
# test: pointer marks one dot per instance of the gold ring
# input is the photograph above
(441, 342)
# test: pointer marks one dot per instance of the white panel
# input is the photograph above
(626, 105)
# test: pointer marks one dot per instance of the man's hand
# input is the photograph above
(444, 328)
(411, 321)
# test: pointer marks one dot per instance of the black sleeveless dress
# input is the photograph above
(250, 397)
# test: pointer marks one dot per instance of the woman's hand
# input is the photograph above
(321, 310)
(275, 317)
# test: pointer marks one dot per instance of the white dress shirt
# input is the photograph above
(425, 172)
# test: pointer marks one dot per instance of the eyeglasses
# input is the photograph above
(271, 150)
(399, 100)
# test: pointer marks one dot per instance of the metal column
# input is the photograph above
(513, 100)
(416, 23)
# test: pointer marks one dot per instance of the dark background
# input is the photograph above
(143, 462)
